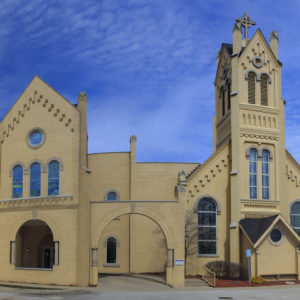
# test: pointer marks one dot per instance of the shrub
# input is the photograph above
(258, 279)
(227, 270)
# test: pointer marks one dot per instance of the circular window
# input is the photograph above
(36, 138)
(275, 235)
(257, 61)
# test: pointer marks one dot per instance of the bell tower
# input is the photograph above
(249, 114)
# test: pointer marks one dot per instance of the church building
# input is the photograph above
(68, 216)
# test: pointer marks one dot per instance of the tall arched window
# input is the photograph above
(207, 227)
(251, 87)
(53, 178)
(111, 250)
(264, 89)
(295, 217)
(17, 182)
(265, 174)
(253, 173)
(35, 180)
(228, 95)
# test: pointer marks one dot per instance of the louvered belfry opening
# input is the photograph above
(264, 90)
(251, 88)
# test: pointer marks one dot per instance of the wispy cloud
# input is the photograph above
(147, 65)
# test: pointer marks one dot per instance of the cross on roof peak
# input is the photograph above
(246, 22)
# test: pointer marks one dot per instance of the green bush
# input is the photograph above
(227, 270)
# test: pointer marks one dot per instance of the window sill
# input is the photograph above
(208, 255)
(34, 269)
(111, 265)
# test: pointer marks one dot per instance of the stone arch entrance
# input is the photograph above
(132, 243)
(139, 222)
(34, 246)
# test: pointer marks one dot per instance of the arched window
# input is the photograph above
(228, 95)
(112, 196)
(253, 173)
(17, 182)
(53, 178)
(35, 180)
(295, 217)
(264, 89)
(251, 88)
(265, 174)
(111, 250)
(207, 227)
(223, 102)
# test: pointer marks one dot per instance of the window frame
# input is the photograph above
(267, 175)
(112, 191)
(215, 212)
(115, 264)
(40, 179)
(58, 179)
(293, 214)
(252, 173)
(13, 181)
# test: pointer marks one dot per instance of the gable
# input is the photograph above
(39, 95)
(258, 49)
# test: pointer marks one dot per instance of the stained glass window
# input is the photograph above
(17, 188)
(53, 178)
(35, 180)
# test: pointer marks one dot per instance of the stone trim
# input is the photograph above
(217, 202)
(29, 134)
(55, 158)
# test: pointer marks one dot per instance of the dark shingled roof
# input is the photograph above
(255, 228)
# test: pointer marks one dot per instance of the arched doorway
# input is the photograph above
(34, 245)
(132, 243)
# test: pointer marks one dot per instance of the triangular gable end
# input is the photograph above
(279, 218)
(252, 44)
(256, 230)
(34, 94)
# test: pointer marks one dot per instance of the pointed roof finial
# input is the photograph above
(274, 35)
(246, 22)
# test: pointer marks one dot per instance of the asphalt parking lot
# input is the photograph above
(124, 287)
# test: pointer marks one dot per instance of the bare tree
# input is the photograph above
(191, 235)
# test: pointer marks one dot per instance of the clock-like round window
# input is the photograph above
(36, 138)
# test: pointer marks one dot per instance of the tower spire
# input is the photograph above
(246, 22)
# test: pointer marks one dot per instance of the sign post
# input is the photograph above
(248, 255)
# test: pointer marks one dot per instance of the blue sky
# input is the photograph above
(147, 66)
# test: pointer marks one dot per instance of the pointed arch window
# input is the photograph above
(207, 227)
(264, 89)
(17, 182)
(295, 217)
(251, 88)
(265, 172)
(253, 173)
(111, 250)
(53, 178)
(35, 180)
